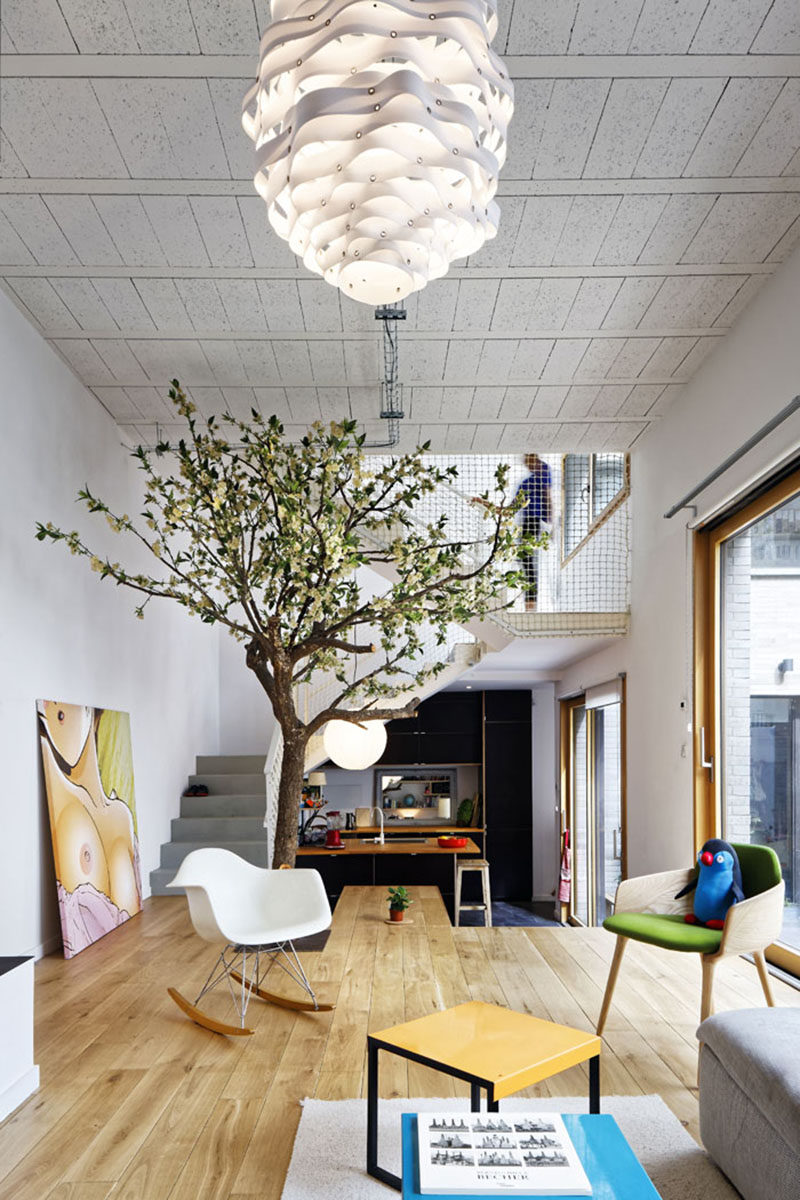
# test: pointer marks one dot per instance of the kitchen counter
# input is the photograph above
(353, 845)
(367, 863)
(414, 828)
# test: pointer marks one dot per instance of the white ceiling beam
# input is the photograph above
(443, 418)
(406, 335)
(25, 185)
(125, 271)
(429, 420)
(567, 381)
(645, 186)
(520, 66)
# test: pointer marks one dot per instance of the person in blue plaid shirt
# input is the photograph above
(537, 511)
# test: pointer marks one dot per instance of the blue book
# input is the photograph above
(613, 1169)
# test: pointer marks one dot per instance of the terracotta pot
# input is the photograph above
(395, 914)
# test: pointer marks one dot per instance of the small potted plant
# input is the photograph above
(399, 901)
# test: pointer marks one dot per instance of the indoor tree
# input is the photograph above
(265, 536)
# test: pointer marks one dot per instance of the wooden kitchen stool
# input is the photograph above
(474, 864)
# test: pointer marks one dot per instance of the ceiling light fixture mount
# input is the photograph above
(379, 137)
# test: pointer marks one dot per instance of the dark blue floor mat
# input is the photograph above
(511, 912)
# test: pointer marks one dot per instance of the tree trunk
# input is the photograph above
(289, 792)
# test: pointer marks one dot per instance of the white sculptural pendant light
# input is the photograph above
(354, 746)
(380, 130)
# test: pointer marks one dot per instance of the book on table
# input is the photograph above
(498, 1154)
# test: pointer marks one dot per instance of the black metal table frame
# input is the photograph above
(476, 1084)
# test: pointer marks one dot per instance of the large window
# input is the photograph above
(593, 485)
(771, 815)
(748, 705)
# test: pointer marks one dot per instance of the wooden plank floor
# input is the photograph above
(137, 1103)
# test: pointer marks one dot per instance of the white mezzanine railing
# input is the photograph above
(583, 574)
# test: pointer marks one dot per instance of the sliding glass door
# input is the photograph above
(749, 710)
(579, 819)
(608, 805)
(593, 795)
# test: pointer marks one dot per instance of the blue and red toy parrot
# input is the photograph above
(717, 885)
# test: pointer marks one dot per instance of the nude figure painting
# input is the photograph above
(88, 772)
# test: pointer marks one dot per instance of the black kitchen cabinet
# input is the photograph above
(452, 712)
(509, 854)
(508, 783)
(446, 729)
(418, 870)
(402, 746)
(507, 706)
(450, 748)
(338, 869)
(450, 728)
(491, 728)
(508, 775)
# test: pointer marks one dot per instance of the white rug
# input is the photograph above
(330, 1147)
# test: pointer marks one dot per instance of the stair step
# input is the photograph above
(223, 806)
(233, 785)
(173, 853)
(159, 880)
(217, 830)
(230, 764)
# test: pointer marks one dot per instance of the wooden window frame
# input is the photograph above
(566, 710)
(707, 556)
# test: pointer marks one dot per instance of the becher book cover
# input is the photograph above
(498, 1154)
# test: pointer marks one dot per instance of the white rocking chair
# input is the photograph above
(257, 914)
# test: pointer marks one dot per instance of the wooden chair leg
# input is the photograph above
(707, 1002)
(487, 896)
(763, 975)
(619, 950)
(457, 897)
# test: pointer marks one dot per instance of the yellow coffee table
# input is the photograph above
(488, 1046)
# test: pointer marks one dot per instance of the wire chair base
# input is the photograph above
(244, 969)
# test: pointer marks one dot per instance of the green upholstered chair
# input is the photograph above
(646, 910)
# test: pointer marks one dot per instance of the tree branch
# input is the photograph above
(358, 716)
(321, 641)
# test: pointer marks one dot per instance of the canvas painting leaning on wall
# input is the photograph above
(88, 769)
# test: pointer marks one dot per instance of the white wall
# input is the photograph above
(753, 374)
(246, 720)
(345, 791)
(65, 635)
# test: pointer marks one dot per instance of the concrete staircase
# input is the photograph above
(231, 815)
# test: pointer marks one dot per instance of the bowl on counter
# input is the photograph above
(452, 843)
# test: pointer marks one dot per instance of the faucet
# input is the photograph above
(381, 840)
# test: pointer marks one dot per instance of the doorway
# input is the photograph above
(593, 799)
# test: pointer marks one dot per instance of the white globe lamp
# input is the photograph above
(352, 745)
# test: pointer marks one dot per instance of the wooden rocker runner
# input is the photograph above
(257, 914)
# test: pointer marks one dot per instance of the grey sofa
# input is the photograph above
(750, 1099)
